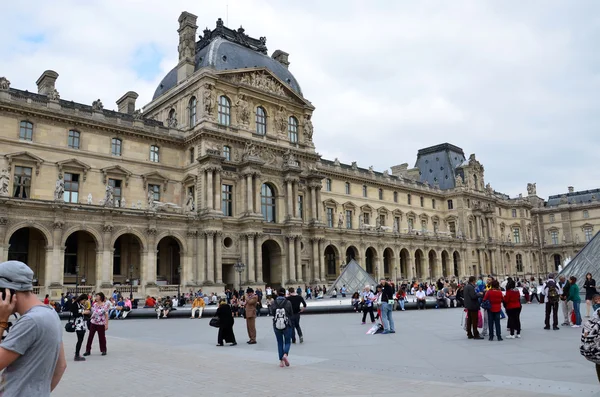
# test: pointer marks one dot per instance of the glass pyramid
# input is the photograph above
(354, 278)
(586, 260)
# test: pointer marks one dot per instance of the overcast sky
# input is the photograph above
(516, 82)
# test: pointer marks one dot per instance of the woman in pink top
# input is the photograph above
(98, 323)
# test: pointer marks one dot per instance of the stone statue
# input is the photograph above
(189, 204)
(377, 223)
(269, 157)
(97, 105)
(243, 111)
(4, 83)
(289, 158)
(488, 189)
(361, 222)
(531, 189)
(563, 199)
(151, 203)
(123, 203)
(340, 220)
(89, 199)
(4, 182)
(308, 127)
(458, 181)
(59, 189)
(54, 95)
(208, 99)
(109, 198)
(576, 238)
(280, 120)
(395, 227)
(386, 174)
(354, 165)
(172, 120)
(371, 170)
(249, 150)
(336, 162)
(138, 115)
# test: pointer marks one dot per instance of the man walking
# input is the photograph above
(296, 301)
(32, 355)
(472, 307)
(251, 302)
(387, 304)
(552, 292)
(565, 304)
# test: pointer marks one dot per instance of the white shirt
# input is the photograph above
(420, 294)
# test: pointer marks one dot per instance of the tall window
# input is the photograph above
(192, 111)
(192, 157)
(154, 154)
(116, 185)
(554, 236)
(227, 197)
(364, 190)
(227, 153)
(397, 223)
(450, 205)
(514, 213)
(348, 219)
(452, 229)
(26, 131)
(382, 220)
(471, 230)
(261, 121)
(73, 140)
(328, 184)
(408, 199)
(22, 183)
(424, 226)
(519, 262)
(347, 187)
(267, 197)
(435, 227)
(116, 146)
(517, 235)
(411, 224)
(224, 110)
(433, 203)
(586, 214)
(330, 258)
(301, 207)
(71, 248)
(155, 189)
(380, 194)
(293, 129)
(71, 188)
(469, 204)
(329, 217)
(367, 218)
(422, 200)
(589, 234)
(395, 197)
(117, 257)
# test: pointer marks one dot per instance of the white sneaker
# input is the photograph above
(575, 326)
(518, 336)
(510, 337)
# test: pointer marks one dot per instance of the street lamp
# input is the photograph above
(239, 267)
(76, 280)
(131, 282)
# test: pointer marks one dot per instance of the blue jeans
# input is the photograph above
(386, 317)
(284, 340)
(577, 313)
(494, 319)
(502, 315)
(401, 303)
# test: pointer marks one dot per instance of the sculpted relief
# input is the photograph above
(208, 100)
(243, 111)
(261, 80)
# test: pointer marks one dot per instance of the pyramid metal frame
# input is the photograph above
(586, 260)
(354, 277)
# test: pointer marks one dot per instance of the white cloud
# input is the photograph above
(516, 83)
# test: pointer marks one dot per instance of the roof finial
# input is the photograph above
(219, 23)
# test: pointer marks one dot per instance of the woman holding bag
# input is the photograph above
(79, 311)
(494, 297)
(512, 302)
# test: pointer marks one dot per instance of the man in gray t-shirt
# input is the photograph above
(32, 354)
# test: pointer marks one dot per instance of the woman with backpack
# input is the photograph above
(282, 326)
(590, 291)
(574, 297)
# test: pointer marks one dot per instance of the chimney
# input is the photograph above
(46, 82)
(187, 45)
(571, 189)
(126, 103)
(281, 57)
(400, 170)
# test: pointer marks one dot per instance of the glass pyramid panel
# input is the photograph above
(586, 260)
(354, 278)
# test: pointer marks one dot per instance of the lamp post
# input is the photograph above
(179, 283)
(76, 280)
(130, 282)
(239, 267)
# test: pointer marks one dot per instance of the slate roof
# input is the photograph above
(227, 49)
(437, 164)
(581, 197)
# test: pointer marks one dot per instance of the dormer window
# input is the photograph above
(224, 110)
(261, 121)
(293, 129)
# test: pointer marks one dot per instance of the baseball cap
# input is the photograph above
(16, 275)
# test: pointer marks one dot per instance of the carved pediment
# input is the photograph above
(155, 176)
(366, 208)
(189, 179)
(587, 226)
(24, 157)
(74, 164)
(116, 170)
(383, 210)
(451, 218)
(330, 203)
(424, 217)
(411, 214)
(397, 213)
(349, 205)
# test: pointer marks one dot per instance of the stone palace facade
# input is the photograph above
(220, 168)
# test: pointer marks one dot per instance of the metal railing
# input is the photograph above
(126, 289)
(168, 288)
(82, 289)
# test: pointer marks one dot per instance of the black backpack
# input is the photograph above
(553, 295)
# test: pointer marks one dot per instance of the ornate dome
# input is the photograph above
(227, 49)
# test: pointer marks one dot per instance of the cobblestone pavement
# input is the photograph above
(428, 355)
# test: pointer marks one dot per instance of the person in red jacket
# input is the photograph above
(494, 295)
(512, 302)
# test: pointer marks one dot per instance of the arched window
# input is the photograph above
(224, 110)
(192, 110)
(261, 121)
(293, 129)
(73, 140)
(519, 258)
(267, 203)
(154, 154)
(26, 131)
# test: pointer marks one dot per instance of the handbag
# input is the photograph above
(215, 322)
(486, 305)
(70, 325)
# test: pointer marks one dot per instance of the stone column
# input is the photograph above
(189, 273)
(257, 187)
(99, 260)
(291, 258)
(315, 260)
(200, 262)
(249, 193)
(298, 250)
(219, 257)
(48, 267)
(321, 260)
(379, 264)
(290, 199)
(318, 203)
(210, 256)
(151, 257)
(251, 266)
(313, 202)
(218, 189)
(410, 267)
(296, 212)
(209, 189)
(259, 270)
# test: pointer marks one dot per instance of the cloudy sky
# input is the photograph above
(516, 82)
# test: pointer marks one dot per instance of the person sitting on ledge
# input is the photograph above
(150, 302)
(334, 294)
(420, 294)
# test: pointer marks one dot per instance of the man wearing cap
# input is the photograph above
(251, 302)
(32, 355)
